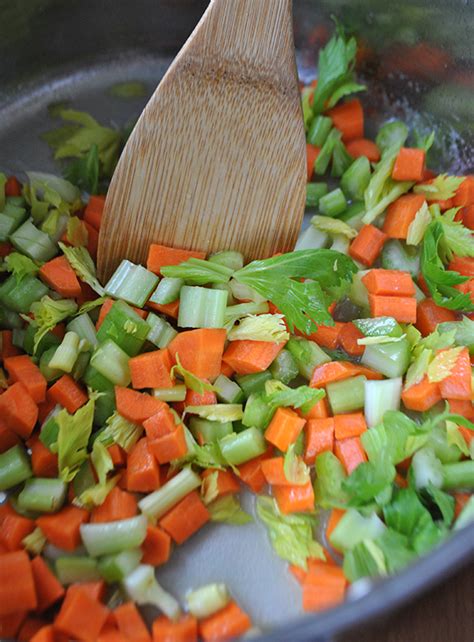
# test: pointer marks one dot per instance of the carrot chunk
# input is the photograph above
(227, 624)
(389, 283)
(367, 245)
(458, 385)
(294, 499)
(284, 428)
(312, 152)
(135, 406)
(409, 164)
(143, 474)
(184, 519)
(156, 547)
(160, 423)
(94, 210)
(421, 396)
(130, 623)
(465, 193)
(151, 370)
(184, 630)
(43, 462)
(349, 119)
(17, 587)
(67, 393)
(18, 410)
(428, 315)
(23, 369)
(48, 588)
(62, 528)
(161, 255)
(200, 351)
(60, 276)
(117, 505)
(348, 338)
(350, 453)
(319, 437)
(248, 357)
(324, 589)
(401, 308)
(349, 425)
(363, 147)
(227, 482)
(14, 529)
(169, 447)
(401, 214)
(81, 617)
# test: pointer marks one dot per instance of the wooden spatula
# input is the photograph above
(217, 158)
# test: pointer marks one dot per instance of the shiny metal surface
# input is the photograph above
(418, 59)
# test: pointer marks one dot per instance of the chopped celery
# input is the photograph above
(50, 429)
(391, 359)
(66, 353)
(307, 355)
(234, 312)
(167, 291)
(396, 256)
(14, 467)
(201, 307)
(161, 332)
(284, 367)
(112, 362)
(7, 226)
(114, 537)
(238, 448)
(42, 495)
(8, 319)
(353, 215)
(426, 469)
(333, 203)
(209, 430)
(19, 295)
(466, 516)
(84, 328)
(229, 259)
(252, 383)
(76, 569)
(319, 130)
(125, 328)
(18, 337)
(314, 192)
(225, 287)
(311, 239)
(390, 134)
(50, 374)
(160, 501)
(84, 479)
(80, 365)
(176, 393)
(356, 178)
(257, 412)
(115, 568)
(464, 331)
(330, 474)
(446, 452)
(354, 528)
(347, 395)
(381, 396)
(242, 292)
(228, 391)
(379, 327)
(358, 292)
(31, 241)
(340, 243)
(49, 340)
(132, 283)
(141, 587)
(206, 600)
(459, 475)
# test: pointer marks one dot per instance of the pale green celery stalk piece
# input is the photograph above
(141, 587)
(201, 307)
(113, 537)
(73, 569)
(228, 391)
(241, 291)
(42, 495)
(132, 283)
(307, 355)
(177, 393)
(229, 259)
(210, 431)
(31, 241)
(66, 353)
(14, 467)
(115, 568)
(391, 359)
(353, 528)
(82, 325)
(156, 504)
(381, 396)
(347, 395)
(161, 332)
(314, 192)
(311, 239)
(333, 203)
(238, 448)
(459, 475)
(112, 362)
(207, 600)
(167, 291)
(427, 468)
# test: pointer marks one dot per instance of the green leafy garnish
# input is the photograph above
(20, 265)
(292, 536)
(73, 438)
(457, 239)
(368, 481)
(76, 232)
(120, 431)
(83, 265)
(227, 509)
(48, 313)
(191, 381)
(418, 226)
(262, 327)
(84, 172)
(198, 272)
(130, 89)
(91, 305)
(102, 461)
(441, 188)
(277, 395)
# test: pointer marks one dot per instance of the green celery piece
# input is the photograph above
(156, 504)
(211, 431)
(167, 291)
(381, 397)
(18, 296)
(347, 395)
(314, 192)
(228, 391)
(391, 359)
(125, 328)
(319, 130)
(7, 226)
(73, 569)
(395, 256)
(176, 393)
(202, 307)
(284, 367)
(228, 258)
(464, 331)
(395, 549)
(112, 362)
(391, 134)
(82, 325)
(14, 467)
(50, 374)
(257, 411)
(114, 537)
(353, 528)
(378, 327)
(355, 179)
(307, 355)
(31, 241)
(42, 495)
(9, 320)
(49, 340)
(238, 448)
(116, 567)
(333, 203)
(132, 283)
(252, 383)
(161, 332)
(366, 559)
(459, 475)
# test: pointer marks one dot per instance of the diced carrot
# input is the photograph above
(462, 264)
(6, 509)
(45, 408)
(363, 147)
(464, 408)
(339, 370)
(104, 310)
(467, 288)
(348, 338)
(160, 424)
(248, 357)
(401, 308)
(43, 462)
(318, 411)
(319, 437)
(47, 634)
(118, 455)
(389, 283)
(135, 406)
(401, 214)
(226, 370)
(409, 164)
(349, 425)
(458, 385)
(200, 351)
(274, 472)
(327, 336)
(367, 245)
(62, 528)
(168, 309)
(421, 396)
(251, 472)
(8, 438)
(81, 617)
(14, 529)
(312, 153)
(193, 398)
(183, 630)
(324, 589)
(18, 410)
(92, 240)
(94, 590)
(467, 214)
(284, 428)
(465, 193)
(151, 370)
(428, 315)
(110, 633)
(461, 500)
(350, 453)
(12, 186)
(8, 349)
(48, 588)
(94, 210)
(228, 623)
(227, 482)
(156, 547)
(29, 628)
(67, 393)
(9, 624)
(60, 276)
(17, 587)
(349, 119)
(161, 255)
(185, 518)
(130, 623)
(24, 370)
(143, 475)
(5, 249)
(169, 447)
(294, 499)
(117, 505)
(334, 518)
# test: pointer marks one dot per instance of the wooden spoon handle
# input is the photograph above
(248, 33)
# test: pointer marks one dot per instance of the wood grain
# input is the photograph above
(217, 159)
